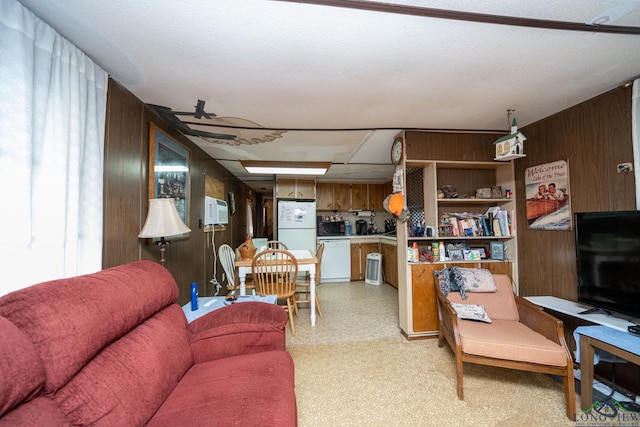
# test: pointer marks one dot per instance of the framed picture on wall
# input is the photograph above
(169, 167)
(497, 251)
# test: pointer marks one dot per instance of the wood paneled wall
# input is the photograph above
(593, 137)
(459, 146)
(126, 197)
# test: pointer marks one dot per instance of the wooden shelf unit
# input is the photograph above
(418, 309)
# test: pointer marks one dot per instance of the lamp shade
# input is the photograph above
(163, 220)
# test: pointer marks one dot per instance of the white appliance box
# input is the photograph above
(216, 211)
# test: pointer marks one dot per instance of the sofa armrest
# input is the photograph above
(540, 321)
(241, 328)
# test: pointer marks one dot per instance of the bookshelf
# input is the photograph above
(422, 179)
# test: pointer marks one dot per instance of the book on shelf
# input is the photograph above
(454, 226)
(503, 222)
(495, 222)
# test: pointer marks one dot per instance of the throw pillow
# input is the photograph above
(471, 312)
(477, 280)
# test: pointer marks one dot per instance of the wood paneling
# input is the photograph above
(593, 137)
(451, 146)
(126, 197)
(125, 177)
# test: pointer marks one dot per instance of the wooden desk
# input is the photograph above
(621, 344)
(306, 262)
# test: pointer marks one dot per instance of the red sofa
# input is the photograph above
(114, 349)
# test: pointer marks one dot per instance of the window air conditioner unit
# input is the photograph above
(374, 269)
(215, 211)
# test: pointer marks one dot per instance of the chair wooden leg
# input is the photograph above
(570, 394)
(290, 310)
(318, 305)
(295, 305)
(459, 378)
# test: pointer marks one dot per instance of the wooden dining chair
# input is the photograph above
(275, 272)
(276, 244)
(303, 287)
(228, 260)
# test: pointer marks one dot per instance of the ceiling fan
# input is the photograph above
(199, 113)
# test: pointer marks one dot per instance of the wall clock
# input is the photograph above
(397, 150)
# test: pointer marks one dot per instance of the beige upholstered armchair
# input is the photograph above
(520, 336)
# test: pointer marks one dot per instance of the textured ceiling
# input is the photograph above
(286, 65)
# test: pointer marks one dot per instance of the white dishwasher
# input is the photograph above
(336, 260)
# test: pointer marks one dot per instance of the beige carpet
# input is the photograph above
(355, 369)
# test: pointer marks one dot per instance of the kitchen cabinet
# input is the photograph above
(287, 188)
(359, 252)
(342, 197)
(377, 194)
(390, 263)
(325, 196)
(423, 295)
(359, 200)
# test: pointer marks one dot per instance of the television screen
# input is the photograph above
(608, 260)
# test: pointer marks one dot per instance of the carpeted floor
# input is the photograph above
(355, 369)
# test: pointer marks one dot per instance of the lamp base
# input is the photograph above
(162, 243)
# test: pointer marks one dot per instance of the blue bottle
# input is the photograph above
(194, 296)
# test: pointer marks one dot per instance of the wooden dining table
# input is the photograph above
(306, 262)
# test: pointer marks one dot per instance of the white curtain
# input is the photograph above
(635, 133)
(52, 116)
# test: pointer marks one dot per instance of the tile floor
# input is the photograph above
(353, 311)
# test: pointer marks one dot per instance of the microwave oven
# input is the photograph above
(330, 228)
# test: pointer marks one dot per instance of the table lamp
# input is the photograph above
(162, 221)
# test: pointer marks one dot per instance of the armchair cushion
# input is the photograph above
(510, 340)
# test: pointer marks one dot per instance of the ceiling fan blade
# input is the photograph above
(170, 116)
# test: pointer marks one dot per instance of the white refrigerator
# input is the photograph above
(297, 225)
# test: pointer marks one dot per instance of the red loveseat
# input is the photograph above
(114, 349)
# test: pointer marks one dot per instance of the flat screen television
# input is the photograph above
(608, 260)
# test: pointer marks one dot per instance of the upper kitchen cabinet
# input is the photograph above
(287, 188)
(359, 197)
(325, 196)
(377, 194)
(332, 197)
(342, 201)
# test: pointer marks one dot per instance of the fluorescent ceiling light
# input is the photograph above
(285, 168)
